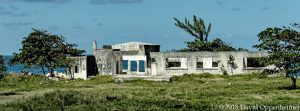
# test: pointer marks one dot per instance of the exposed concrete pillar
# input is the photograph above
(138, 67)
(94, 45)
(192, 64)
(129, 67)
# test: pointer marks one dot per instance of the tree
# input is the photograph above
(214, 45)
(283, 46)
(45, 50)
(231, 64)
(196, 29)
(2, 65)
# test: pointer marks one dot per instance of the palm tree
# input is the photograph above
(196, 29)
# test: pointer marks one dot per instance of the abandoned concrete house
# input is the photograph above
(144, 59)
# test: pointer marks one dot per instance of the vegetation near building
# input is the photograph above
(2, 65)
(231, 63)
(283, 46)
(198, 30)
(44, 50)
(205, 92)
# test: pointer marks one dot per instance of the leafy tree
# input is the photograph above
(283, 46)
(231, 63)
(2, 65)
(196, 29)
(214, 45)
(45, 50)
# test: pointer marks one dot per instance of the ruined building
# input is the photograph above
(145, 60)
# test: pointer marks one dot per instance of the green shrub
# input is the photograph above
(191, 77)
(135, 80)
(247, 77)
(22, 78)
(102, 79)
(256, 75)
(22, 82)
(83, 100)
(55, 100)
(1, 76)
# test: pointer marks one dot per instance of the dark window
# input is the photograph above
(255, 62)
(199, 64)
(142, 66)
(125, 64)
(76, 69)
(133, 65)
(215, 64)
(153, 60)
(174, 64)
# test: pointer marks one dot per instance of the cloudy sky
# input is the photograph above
(116, 21)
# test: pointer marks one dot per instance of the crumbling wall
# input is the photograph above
(158, 60)
(80, 62)
(104, 61)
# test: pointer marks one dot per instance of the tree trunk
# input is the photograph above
(51, 72)
(72, 74)
(294, 80)
(44, 70)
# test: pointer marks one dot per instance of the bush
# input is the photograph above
(252, 75)
(55, 100)
(25, 82)
(138, 81)
(191, 77)
(22, 78)
(135, 80)
(102, 79)
(247, 77)
(256, 75)
(1, 76)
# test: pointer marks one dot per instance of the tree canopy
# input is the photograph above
(199, 31)
(283, 46)
(44, 50)
(214, 45)
(196, 29)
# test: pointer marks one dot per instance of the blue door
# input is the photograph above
(124, 66)
(141, 66)
(133, 65)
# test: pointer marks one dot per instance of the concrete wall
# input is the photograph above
(137, 58)
(109, 61)
(130, 46)
(81, 63)
(159, 62)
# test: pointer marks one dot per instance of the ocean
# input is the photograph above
(19, 68)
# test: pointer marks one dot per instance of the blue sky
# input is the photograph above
(116, 21)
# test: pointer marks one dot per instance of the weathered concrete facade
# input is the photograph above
(202, 62)
(82, 67)
(144, 59)
(127, 58)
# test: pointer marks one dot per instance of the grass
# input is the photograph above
(187, 92)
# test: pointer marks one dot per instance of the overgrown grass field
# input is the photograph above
(188, 92)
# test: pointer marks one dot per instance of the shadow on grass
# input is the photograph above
(8, 93)
(288, 88)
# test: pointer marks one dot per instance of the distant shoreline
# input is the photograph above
(18, 68)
